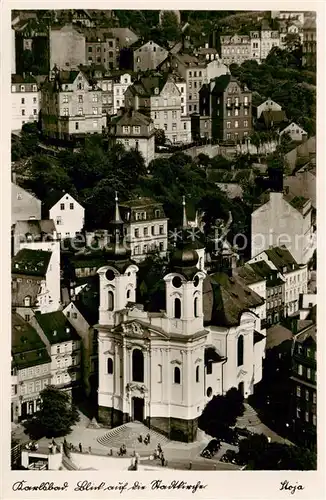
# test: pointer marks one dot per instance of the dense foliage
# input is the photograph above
(56, 415)
(281, 77)
(221, 413)
(259, 454)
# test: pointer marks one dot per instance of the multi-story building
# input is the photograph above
(309, 49)
(67, 47)
(235, 49)
(295, 276)
(190, 69)
(195, 72)
(304, 385)
(182, 86)
(124, 36)
(290, 29)
(207, 52)
(27, 232)
(145, 227)
(30, 369)
(283, 219)
(82, 316)
(289, 15)
(275, 291)
(25, 101)
(159, 98)
(120, 85)
(149, 56)
(230, 107)
(269, 38)
(104, 81)
(101, 48)
(36, 278)
(148, 369)
(255, 46)
(68, 216)
(135, 131)
(71, 106)
(64, 346)
(24, 205)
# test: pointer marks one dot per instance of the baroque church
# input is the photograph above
(161, 367)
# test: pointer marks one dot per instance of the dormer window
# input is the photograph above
(22, 88)
(27, 301)
(156, 91)
(126, 129)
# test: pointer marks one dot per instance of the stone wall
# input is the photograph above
(110, 417)
(174, 428)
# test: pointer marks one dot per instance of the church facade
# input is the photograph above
(162, 367)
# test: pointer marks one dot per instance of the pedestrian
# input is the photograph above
(190, 465)
(90, 449)
(80, 448)
(159, 448)
(140, 438)
(148, 438)
(162, 459)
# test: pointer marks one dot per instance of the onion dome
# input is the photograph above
(117, 252)
(184, 257)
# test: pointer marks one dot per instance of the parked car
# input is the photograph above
(243, 432)
(229, 456)
(213, 446)
(231, 437)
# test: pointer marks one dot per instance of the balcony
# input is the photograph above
(246, 104)
(229, 105)
(237, 105)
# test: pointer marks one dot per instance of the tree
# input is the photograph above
(56, 415)
(221, 413)
(160, 137)
(170, 26)
(259, 454)
(292, 41)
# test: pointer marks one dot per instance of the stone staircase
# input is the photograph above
(128, 435)
(249, 418)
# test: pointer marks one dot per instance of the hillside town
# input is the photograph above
(163, 230)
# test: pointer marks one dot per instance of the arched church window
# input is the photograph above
(137, 366)
(240, 351)
(197, 373)
(110, 366)
(111, 301)
(196, 307)
(209, 392)
(128, 294)
(177, 375)
(177, 308)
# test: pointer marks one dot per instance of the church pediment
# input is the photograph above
(134, 329)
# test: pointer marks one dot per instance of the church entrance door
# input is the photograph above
(241, 388)
(138, 409)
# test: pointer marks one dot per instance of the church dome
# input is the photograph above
(184, 257)
(117, 252)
